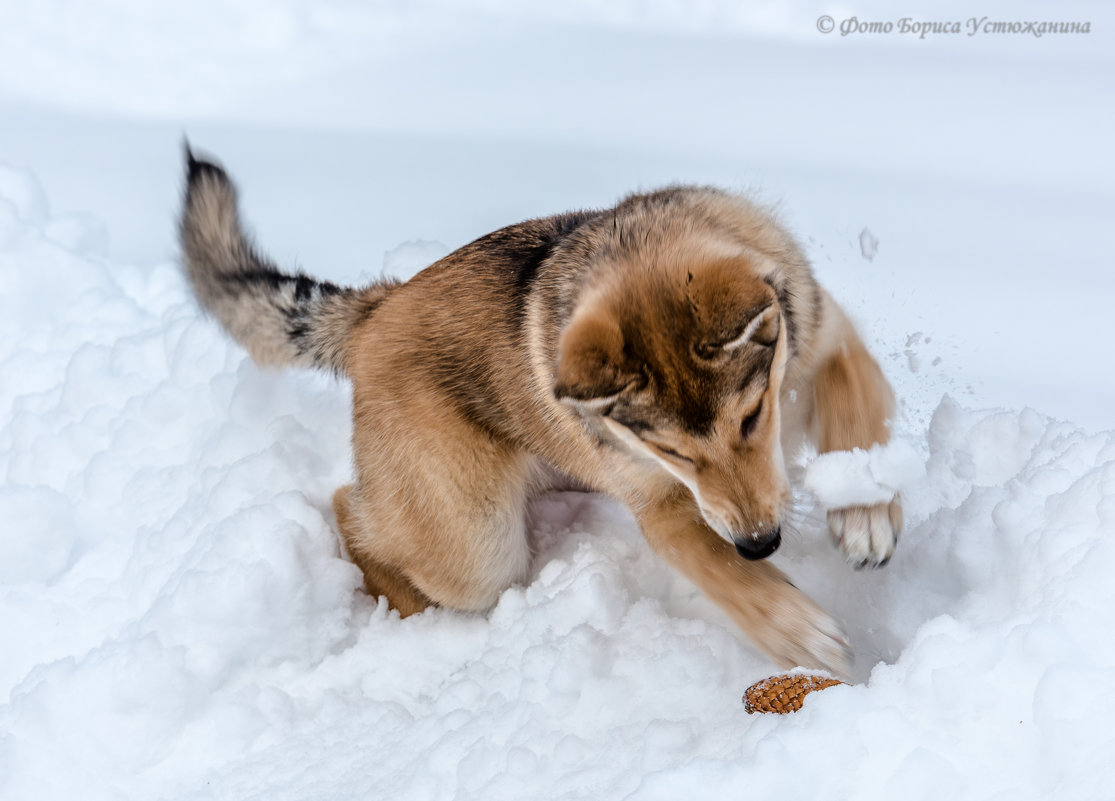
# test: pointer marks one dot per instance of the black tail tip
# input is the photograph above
(197, 167)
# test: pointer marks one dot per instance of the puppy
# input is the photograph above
(663, 352)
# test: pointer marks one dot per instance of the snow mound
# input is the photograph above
(178, 620)
(409, 258)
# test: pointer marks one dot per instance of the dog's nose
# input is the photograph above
(760, 545)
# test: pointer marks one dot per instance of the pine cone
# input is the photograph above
(783, 694)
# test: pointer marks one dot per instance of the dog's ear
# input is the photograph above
(591, 364)
(732, 306)
(762, 329)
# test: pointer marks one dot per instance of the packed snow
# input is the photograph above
(177, 618)
(862, 477)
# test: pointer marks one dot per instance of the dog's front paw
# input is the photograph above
(867, 534)
(796, 632)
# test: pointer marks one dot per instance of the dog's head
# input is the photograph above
(683, 366)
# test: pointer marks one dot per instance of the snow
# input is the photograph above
(868, 244)
(177, 619)
(862, 477)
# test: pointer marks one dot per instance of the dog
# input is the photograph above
(665, 352)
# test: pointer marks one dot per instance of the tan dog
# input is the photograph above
(649, 351)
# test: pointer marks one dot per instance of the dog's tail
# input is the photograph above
(283, 319)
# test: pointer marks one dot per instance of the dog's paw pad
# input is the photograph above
(867, 534)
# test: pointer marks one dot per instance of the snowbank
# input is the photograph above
(177, 620)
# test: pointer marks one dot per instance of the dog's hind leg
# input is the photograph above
(437, 514)
(379, 579)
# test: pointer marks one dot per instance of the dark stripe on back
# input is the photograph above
(527, 260)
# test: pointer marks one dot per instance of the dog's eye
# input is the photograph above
(671, 452)
(747, 427)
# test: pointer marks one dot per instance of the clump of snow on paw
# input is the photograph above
(863, 477)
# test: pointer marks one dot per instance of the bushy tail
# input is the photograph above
(281, 318)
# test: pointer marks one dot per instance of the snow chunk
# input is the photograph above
(39, 534)
(82, 233)
(868, 244)
(411, 257)
(23, 191)
(863, 478)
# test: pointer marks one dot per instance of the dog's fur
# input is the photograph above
(662, 352)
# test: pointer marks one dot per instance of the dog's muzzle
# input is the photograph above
(760, 545)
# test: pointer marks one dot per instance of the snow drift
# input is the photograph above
(177, 619)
